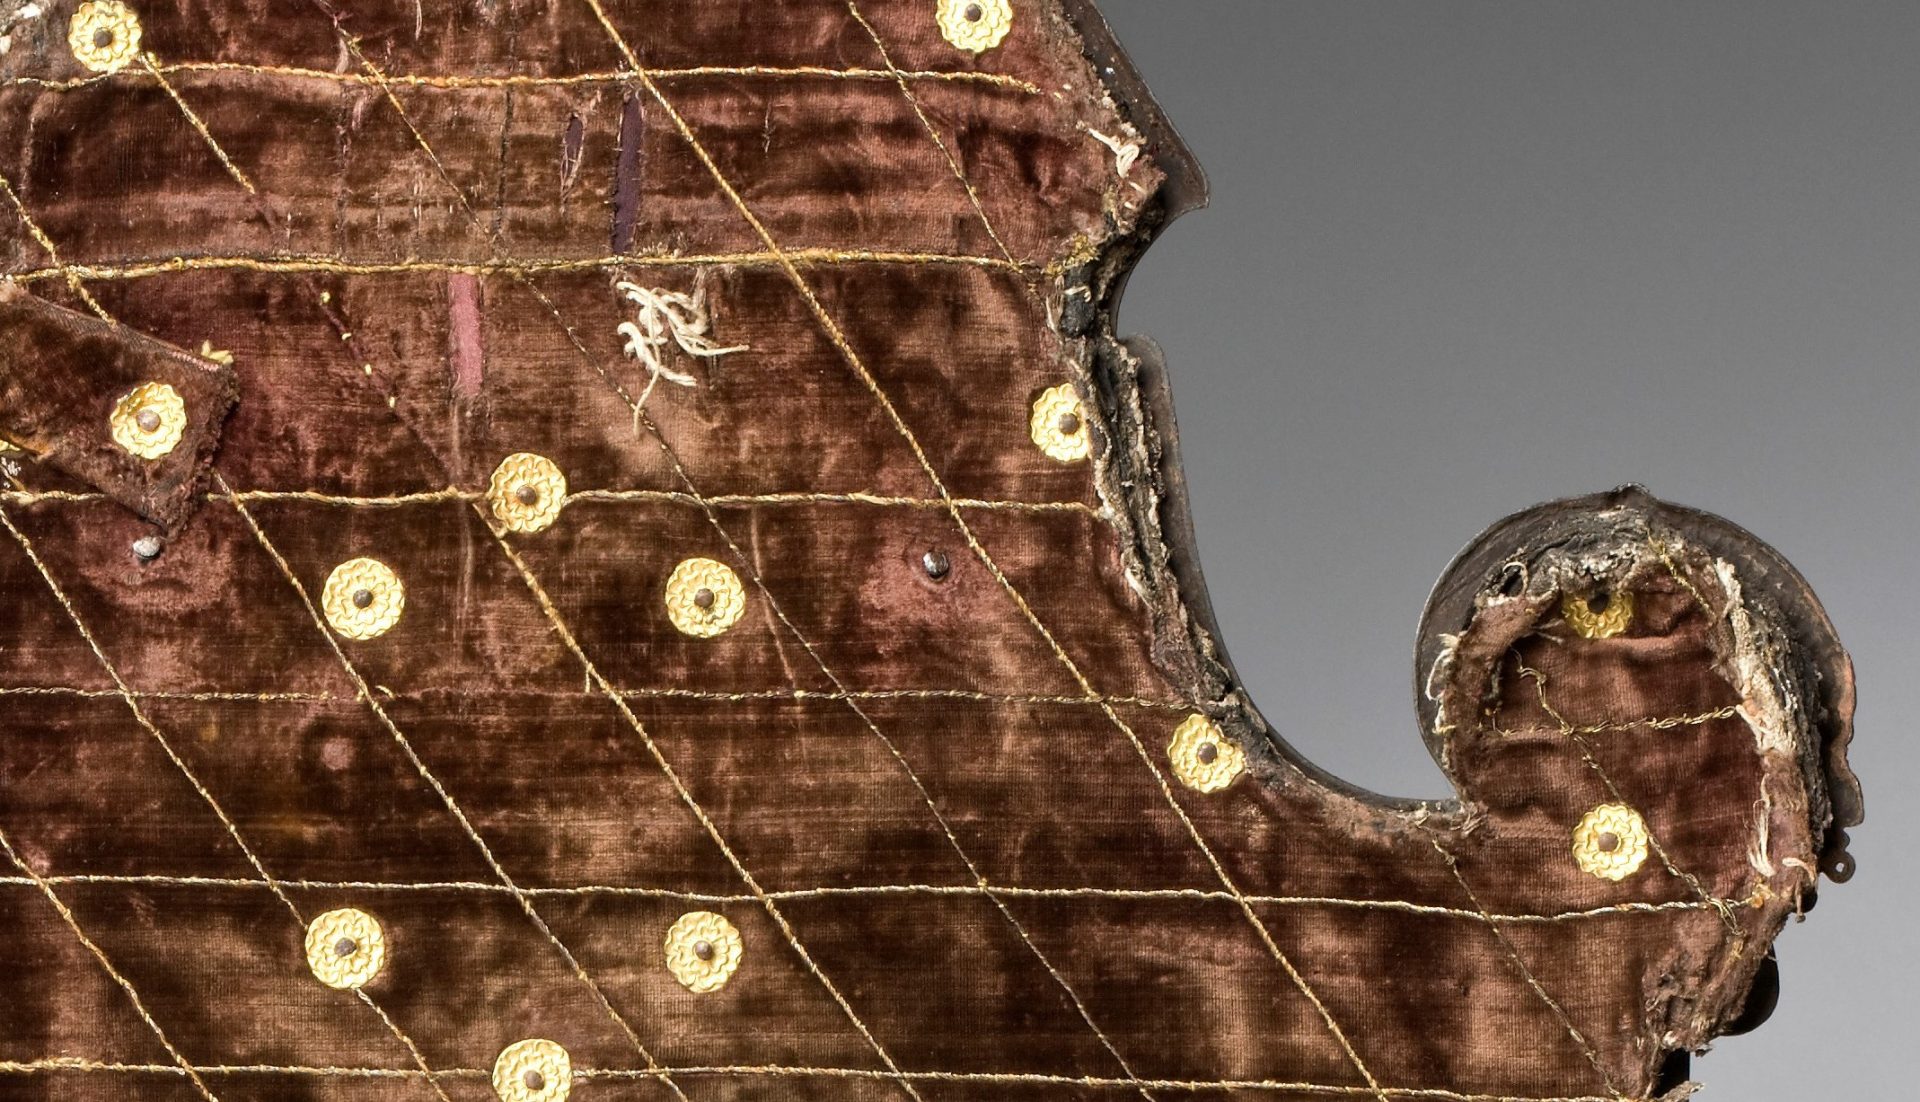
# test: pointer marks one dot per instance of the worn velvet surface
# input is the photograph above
(940, 810)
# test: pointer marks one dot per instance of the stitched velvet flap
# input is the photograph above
(134, 417)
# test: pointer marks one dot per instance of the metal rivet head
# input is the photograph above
(1611, 842)
(149, 421)
(1059, 425)
(534, 1080)
(527, 493)
(533, 1071)
(346, 948)
(936, 564)
(1202, 757)
(147, 548)
(975, 26)
(703, 949)
(363, 599)
(102, 38)
(1069, 423)
(703, 598)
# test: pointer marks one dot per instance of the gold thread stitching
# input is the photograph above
(527, 493)
(295, 264)
(73, 924)
(363, 599)
(149, 420)
(467, 81)
(346, 948)
(883, 891)
(1611, 842)
(685, 938)
(839, 340)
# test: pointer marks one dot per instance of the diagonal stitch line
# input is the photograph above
(1520, 965)
(366, 693)
(133, 268)
(888, 891)
(594, 674)
(834, 333)
(151, 63)
(1585, 748)
(140, 714)
(775, 1071)
(933, 132)
(940, 76)
(264, 210)
(100, 955)
(53, 254)
(232, 829)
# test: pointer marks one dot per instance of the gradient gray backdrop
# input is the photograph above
(1464, 257)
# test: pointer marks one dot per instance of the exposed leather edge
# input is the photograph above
(62, 373)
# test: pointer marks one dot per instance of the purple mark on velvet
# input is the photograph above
(572, 148)
(465, 352)
(626, 173)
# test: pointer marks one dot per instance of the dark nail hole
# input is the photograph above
(703, 950)
(345, 947)
(1513, 581)
(1599, 603)
(1208, 753)
(936, 564)
(363, 598)
(534, 1081)
(703, 599)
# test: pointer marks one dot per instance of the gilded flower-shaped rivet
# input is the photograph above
(1611, 842)
(1203, 757)
(104, 35)
(527, 493)
(363, 599)
(346, 948)
(149, 420)
(533, 1071)
(705, 598)
(1059, 425)
(703, 951)
(1600, 616)
(975, 25)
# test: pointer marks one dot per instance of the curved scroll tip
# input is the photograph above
(1570, 568)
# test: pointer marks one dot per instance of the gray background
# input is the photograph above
(1463, 257)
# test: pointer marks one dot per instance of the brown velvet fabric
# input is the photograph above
(940, 810)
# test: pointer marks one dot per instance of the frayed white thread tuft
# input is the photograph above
(668, 316)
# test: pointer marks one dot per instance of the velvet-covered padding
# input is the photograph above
(775, 286)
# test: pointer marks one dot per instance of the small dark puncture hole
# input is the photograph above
(1512, 580)
(1600, 602)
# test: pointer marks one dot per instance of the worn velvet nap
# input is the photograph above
(939, 810)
